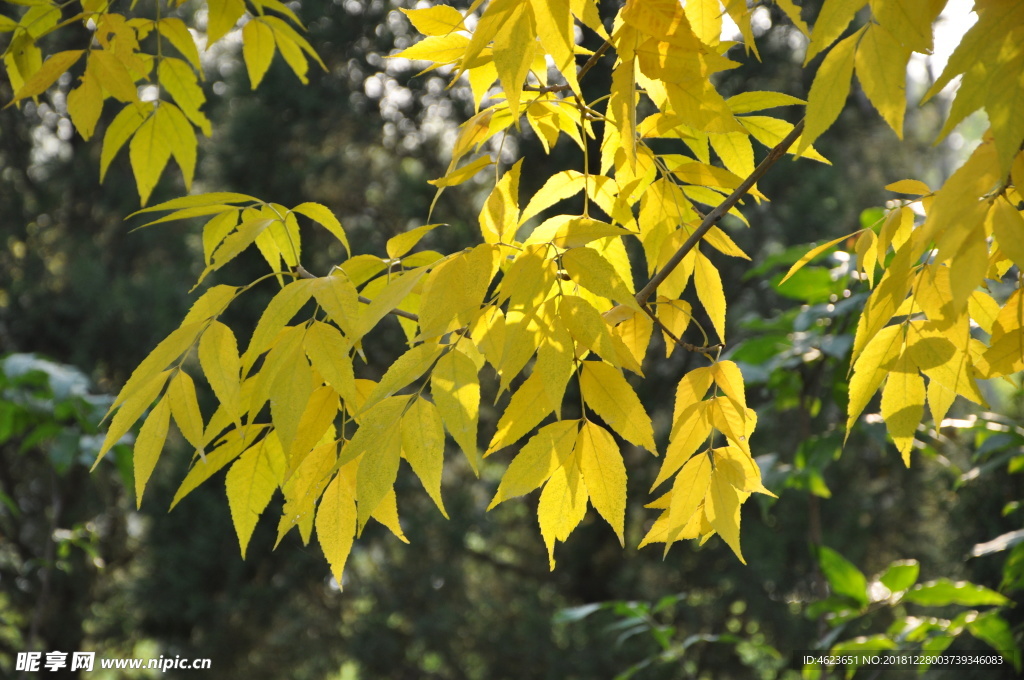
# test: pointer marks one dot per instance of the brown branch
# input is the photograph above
(715, 215)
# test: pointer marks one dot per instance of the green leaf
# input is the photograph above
(844, 578)
(900, 575)
(944, 591)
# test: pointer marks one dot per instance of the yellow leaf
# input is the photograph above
(1008, 228)
(835, 16)
(557, 187)
(338, 297)
(455, 386)
(555, 28)
(758, 100)
(690, 431)
(149, 445)
(317, 419)
(528, 407)
(903, 404)
(983, 310)
(909, 186)
(455, 289)
(257, 49)
(710, 292)
(222, 17)
(226, 451)
(437, 20)
(320, 214)
(52, 69)
(952, 216)
(464, 173)
(179, 80)
(735, 150)
(537, 460)
(178, 35)
(705, 17)
(399, 245)
(330, 355)
(440, 49)
(792, 11)
(406, 368)
(675, 316)
(690, 390)
(727, 376)
(85, 104)
(770, 131)
(562, 505)
(279, 311)
(908, 20)
(499, 216)
(393, 294)
(149, 154)
(604, 474)
(589, 329)
(290, 49)
(112, 74)
(742, 470)
(218, 357)
(830, 88)
(592, 271)
(940, 400)
(289, 393)
(734, 422)
(722, 509)
(582, 230)
(282, 353)
(336, 525)
(895, 230)
(870, 369)
(379, 441)
(423, 447)
(884, 300)
(688, 492)
(622, 107)
(968, 268)
(181, 393)
(174, 130)
(1005, 354)
(881, 63)
(610, 396)
(305, 486)
(635, 333)
(251, 483)
(514, 45)
(555, 363)
(387, 514)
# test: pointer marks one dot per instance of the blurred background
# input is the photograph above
(83, 299)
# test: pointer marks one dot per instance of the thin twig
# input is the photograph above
(715, 215)
(689, 347)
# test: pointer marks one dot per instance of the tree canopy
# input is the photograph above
(551, 311)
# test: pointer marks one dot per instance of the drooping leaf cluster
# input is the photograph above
(543, 303)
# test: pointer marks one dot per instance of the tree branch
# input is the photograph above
(712, 218)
